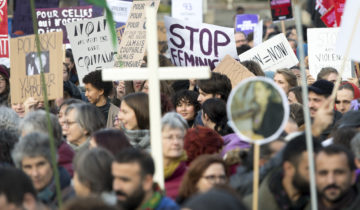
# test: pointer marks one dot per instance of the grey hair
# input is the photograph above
(355, 145)
(9, 120)
(32, 145)
(88, 117)
(93, 169)
(174, 120)
(37, 121)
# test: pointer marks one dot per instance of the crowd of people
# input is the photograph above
(102, 143)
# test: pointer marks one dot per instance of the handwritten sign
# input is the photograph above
(275, 53)
(90, 41)
(132, 47)
(246, 23)
(25, 67)
(192, 44)
(120, 10)
(4, 37)
(187, 10)
(22, 20)
(321, 51)
(55, 19)
(233, 70)
(281, 9)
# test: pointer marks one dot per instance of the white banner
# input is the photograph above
(192, 44)
(273, 54)
(120, 10)
(321, 51)
(188, 10)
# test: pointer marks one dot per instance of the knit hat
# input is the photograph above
(350, 119)
(4, 72)
(322, 87)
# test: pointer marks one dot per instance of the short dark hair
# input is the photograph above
(132, 155)
(324, 72)
(69, 54)
(187, 96)
(294, 149)
(113, 140)
(15, 184)
(336, 149)
(215, 109)
(217, 84)
(297, 92)
(139, 102)
(254, 67)
(8, 140)
(95, 79)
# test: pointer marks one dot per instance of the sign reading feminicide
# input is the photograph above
(192, 44)
(133, 42)
(55, 19)
(188, 10)
(246, 23)
(4, 35)
(90, 41)
(281, 9)
(25, 67)
(321, 51)
(275, 53)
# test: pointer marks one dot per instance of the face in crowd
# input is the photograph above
(39, 170)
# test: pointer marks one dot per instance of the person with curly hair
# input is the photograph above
(97, 92)
(187, 105)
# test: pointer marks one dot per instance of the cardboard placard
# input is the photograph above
(133, 42)
(91, 44)
(246, 23)
(233, 70)
(187, 10)
(192, 44)
(55, 19)
(273, 54)
(4, 35)
(281, 10)
(22, 20)
(350, 26)
(25, 67)
(321, 51)
(162, 39)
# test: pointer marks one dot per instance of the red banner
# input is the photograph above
(4, 35)
(281, 9)
(329, 18)
(339, 9)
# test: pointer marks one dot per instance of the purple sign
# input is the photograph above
(55, 19)
(22, 21)
(97, 11)
(246, 23)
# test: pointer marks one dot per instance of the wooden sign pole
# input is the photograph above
(255, 201)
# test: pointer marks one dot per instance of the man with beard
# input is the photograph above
(287, 187)
(319, 92)
(335, 179)
(133, 172)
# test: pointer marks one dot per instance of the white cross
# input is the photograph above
(153, 73)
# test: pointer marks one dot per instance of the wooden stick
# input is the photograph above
(283, 27)
(357, 72)
(337, 84)
(255, 201)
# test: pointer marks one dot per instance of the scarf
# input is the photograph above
(155, 199)
(170, 169)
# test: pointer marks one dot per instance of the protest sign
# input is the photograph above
(246, 23)
(275, 53)
(233, 70)
(133, 43)
(187, 10)
(22, 21)
(91, 44)
(329, 18)
(162, 40)
(120, 10)
(55, 19)
(25, 67)
(321, 51)
(349, 41)
(258, 33)
(192, 44)
(281, 9)
(97, 11)
(4, 35)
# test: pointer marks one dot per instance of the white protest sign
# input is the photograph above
(90, 41)
(350, 27)
(258, 33)
(321, 51)
(188, 10)
(120, 9)
(192, 44)
(275, 53)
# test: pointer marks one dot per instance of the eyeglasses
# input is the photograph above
(215, 179)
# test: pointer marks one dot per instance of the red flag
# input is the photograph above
(4, 36)
(329, 18)
(339, 9)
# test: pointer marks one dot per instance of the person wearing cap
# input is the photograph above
(4, 86)
(319, 92)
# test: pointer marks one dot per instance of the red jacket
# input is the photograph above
(172, 183)
(65, 157)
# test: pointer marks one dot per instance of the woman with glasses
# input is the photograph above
(173, 130)
(204, 172)
(82, 120)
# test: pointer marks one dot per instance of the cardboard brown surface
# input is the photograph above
(25, 76)
(233, 69)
